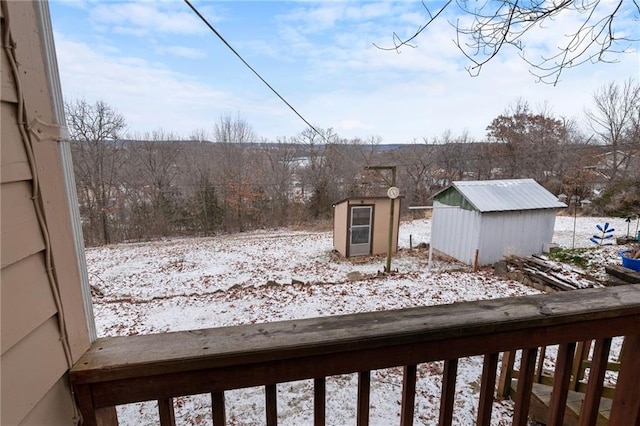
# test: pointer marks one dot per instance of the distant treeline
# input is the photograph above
(157, 185)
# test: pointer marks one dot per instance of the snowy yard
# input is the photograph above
(183, 284)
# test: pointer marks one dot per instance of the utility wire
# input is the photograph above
(251, 68)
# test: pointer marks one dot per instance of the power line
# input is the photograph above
(251, 68)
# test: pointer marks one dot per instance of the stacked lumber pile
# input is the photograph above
(545, 274)
(619, 275)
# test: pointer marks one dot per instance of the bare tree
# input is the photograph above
(633, 138)
(525, 137)
(321, 178)
(156, 156)
(456, 157)
(236, 170)
(416, 162)
(97, 158)
(485, 28)
(615, 121)
(280, 171)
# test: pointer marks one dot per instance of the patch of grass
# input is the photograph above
(577, 256)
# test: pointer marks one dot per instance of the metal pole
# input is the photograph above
(393, 207)
(575, 217)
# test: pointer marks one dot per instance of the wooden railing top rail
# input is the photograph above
(366, 341)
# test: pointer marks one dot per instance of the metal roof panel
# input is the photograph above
(506, 195)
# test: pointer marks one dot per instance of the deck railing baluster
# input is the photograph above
(218, 409)
(319, 401)
(271, 402)
(167, 414)
(561, 380)
(506, 372)
(540, 367)
(364, 388)
(106, 416)
(525, 385)
(591, 403)
(577, 371)
(448, 394)
(488, 385)
(408, 395)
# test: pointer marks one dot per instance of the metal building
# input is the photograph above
(480, 222)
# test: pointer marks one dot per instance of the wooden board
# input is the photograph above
(541, 396)
(625, 274)
(530, 321)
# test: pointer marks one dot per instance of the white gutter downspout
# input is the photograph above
(53, 77)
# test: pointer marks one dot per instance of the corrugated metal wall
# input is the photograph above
(459, 233)
(520, 233)
(455, 231)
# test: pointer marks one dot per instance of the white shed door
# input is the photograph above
(360, 231)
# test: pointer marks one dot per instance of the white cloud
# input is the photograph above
(146, 18)
(327, 69)
(149, 96)
(182, 51)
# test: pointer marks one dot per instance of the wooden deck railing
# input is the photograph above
(160, 367)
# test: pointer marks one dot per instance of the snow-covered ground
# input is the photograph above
(183, 284)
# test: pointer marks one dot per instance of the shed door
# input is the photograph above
(360, 231)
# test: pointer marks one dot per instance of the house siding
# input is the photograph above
(29, 370)
(56, 400)
(34, 386)
(25, 283)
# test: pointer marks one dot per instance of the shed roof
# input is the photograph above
(499, 195)
(344, 200)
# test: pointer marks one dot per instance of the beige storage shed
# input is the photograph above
(361, 226)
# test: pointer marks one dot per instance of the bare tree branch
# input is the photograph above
(599, 36)
(399, 42)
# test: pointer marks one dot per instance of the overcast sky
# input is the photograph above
(158, 65)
